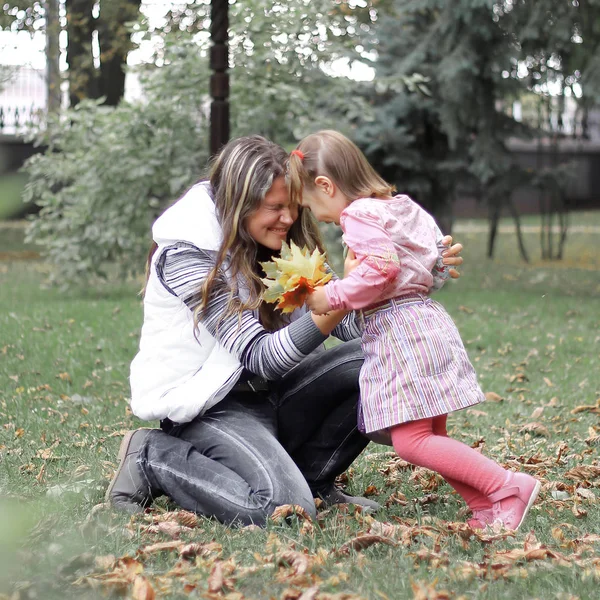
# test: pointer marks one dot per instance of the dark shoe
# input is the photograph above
(129, 491)
(333, 495)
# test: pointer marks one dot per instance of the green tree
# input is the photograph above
(471, 53)
(109, 171)
(280, 86)
(106, 20)
(559, 58)
(451, 138)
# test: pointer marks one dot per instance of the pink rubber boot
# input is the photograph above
(512, 501)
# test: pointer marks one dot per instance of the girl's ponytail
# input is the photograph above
(296, 174)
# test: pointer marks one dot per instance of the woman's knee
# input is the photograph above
(343, 363)
(295, 493)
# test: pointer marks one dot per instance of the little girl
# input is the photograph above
(416, 368)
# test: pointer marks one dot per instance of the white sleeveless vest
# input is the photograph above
(176, 374)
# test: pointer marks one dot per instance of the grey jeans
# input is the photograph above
(254, 451)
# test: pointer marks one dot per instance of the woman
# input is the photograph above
(254, 413)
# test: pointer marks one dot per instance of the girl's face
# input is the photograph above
(324, 200)
(270, 223)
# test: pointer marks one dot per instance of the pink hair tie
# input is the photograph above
(299, 154)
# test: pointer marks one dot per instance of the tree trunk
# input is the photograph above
(80, 28)
(517, 220)
(563, 218)
(115, 43)
(52, 56)
(494, 216)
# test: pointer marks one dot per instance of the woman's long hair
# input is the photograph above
(241, 175)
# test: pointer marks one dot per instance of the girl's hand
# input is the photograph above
(352, 262)
(451, 256)
(317, 301)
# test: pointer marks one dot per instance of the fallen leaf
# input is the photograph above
(309, 594)
(160, 547)
(288, 510)
(585, 493)
(169, 528)
(586, 408)
(216, 580)
(476, 413)
(535, 429)
(194, 549)
(371, 490)
(537, 413)
(183, 517)
(362, 542)
(583, 472)
(298, 561)
(593, 440)
(142, 590)
(426, 591)
(128, 568)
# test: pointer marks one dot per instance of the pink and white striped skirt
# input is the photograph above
(416, 366)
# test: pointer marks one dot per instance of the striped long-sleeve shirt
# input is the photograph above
(181, 270)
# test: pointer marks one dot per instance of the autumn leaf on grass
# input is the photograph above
(584, 472)
(296, 560)
(293, 276)
(535, 429)
(364, 541)
(142, 590)
(283, 512)
(170, 528)
(426, 591)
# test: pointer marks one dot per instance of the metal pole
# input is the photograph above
(219, 79)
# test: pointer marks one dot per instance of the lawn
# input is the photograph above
(11, 188)
(533, 333)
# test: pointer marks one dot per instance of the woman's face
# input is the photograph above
(270, 223)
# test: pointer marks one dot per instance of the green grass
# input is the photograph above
(533, 333)
(11, 189)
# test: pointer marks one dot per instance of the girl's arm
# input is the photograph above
(182, 269)
(377, 270)
(349, 328)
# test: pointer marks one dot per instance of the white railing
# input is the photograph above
(23, 99)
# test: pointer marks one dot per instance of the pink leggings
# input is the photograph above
(426, 443)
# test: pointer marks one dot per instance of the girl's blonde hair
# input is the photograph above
(333, 155)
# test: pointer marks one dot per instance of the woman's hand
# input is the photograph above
(352, 262)
(451, 256)
(317, 301)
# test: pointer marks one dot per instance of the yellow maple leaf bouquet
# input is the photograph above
(293, 276)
